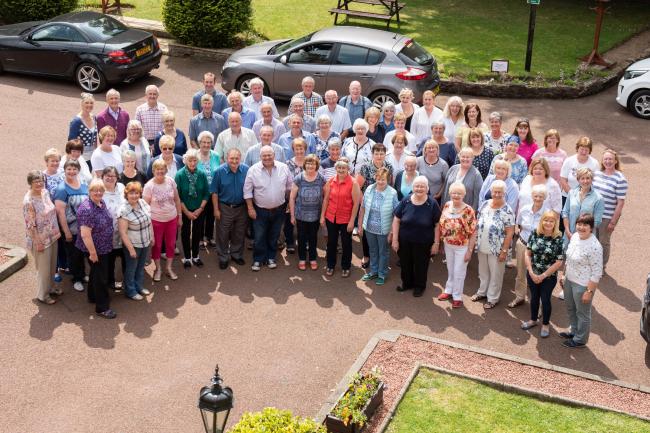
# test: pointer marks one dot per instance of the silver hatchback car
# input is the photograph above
(384, 62)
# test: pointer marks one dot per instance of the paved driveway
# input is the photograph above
(282, 338)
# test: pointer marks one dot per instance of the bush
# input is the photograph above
(16, 11)
(207, 23)
(272, 420)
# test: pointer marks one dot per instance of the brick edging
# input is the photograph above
(17, 262)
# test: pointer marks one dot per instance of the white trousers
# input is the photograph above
(456, 270)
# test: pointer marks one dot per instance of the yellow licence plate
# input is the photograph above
(142, 51)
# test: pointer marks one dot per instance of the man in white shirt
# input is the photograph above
(256, 98)
(234, 137)
(339, 115)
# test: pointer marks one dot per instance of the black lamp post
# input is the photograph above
(215, 403)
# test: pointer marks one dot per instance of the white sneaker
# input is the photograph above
(86, 278)
(78, 286)
(137, 297)
(145, 292)
(272, 264)
(256, 266)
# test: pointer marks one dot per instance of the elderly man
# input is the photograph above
(114, 115)
(355, 103)
(150, 113)
(206, 120)
(266, 190)
(297, 106)
(339, 115)
(235, 136)
(266, 139)
(311, 99)
(256, 98)
(220, 102)
(268, 120)
(296, 131)
(227, 190)
(235, 100)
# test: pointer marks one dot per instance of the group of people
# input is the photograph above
(419, 180)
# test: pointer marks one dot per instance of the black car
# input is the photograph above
(645, 312)
(91, 48)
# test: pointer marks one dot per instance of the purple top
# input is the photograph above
(100, 221)
(105, 118)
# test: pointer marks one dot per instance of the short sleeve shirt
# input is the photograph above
(309, 198)
(545, 250)
(456, 228)
(161, 198)
(417, 222)
(100, 222)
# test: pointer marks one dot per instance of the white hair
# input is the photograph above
(360, 123)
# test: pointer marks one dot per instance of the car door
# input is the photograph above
(353, 62)
(52, 49)
(312, 59)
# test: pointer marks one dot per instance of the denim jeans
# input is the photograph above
(267, 228)
(579, 313)
(379, 253)
(134, 273)
(541, 291)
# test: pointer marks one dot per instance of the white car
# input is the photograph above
(634, 89)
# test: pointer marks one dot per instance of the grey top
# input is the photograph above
(472, 181)
(435, 174)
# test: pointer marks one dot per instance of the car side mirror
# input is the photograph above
(283, 59)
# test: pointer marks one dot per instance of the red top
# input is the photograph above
(339, 206)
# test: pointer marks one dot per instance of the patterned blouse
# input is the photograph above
(100, 222)
(457, 228)
(40, 216)
(497, 145)
(139, 220)
(368, 172)
(482, 162)
(545, 250)
(492, 224)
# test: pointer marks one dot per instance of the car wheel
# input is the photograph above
(90, 78)
(243, 85)
(380, 97)
(639, 104)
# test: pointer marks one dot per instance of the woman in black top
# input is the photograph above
(130, 172)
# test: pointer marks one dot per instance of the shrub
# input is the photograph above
(207, 23)
(15, 11)
(272, 420)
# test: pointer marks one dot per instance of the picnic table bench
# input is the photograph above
(390, 8)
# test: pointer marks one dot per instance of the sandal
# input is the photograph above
(47, 301)
(157, 275)
(302, 265)
(476, 297)
(528, 325)
(313, 265)
(516, 302)
(171, 275)
(489, 305)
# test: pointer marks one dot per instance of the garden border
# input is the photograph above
(17, 262)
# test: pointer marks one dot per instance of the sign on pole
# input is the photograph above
(531, 32)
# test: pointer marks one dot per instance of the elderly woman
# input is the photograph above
(518, 165)
(73, 151)
(544, 257)
(376, 131)
(527, 144)
(69, 195)
(434, 168)
(193, 191)
(425, 116)
(483, 156)
(53, 176)
(130, 173)
(136, 142)
(496, 138)
(584, 267)
(209, 162)
(305, 209)
(466, 173)
(458, 235)
(95, 240)
(42, 234)
(327, 169)
(161, 195)
(295, 165)
(400, 128)
(341, 198)
(540, 174)
(387, 114)
(406, 105)
(375, 222)
(114, 199)
(398, 155)
(169, 128)
(452, 116)
(83, 126)
(528, 219)
(446, 149)
(501, 172)
(472, 121)
(404, 179)
(107, 154)
(323, 136)
(582, 200)
(496, 227)
(552, 153)
(416, 236)
(172, 161)
(611, 184)
(136, 232)
(358, 149)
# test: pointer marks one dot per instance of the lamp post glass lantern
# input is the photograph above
(215, 402)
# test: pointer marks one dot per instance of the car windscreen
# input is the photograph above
(414, 54)
(290, 44)
(103, 28)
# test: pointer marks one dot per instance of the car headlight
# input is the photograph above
(628, 75)
(230, 64)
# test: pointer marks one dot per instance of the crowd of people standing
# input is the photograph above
(418, 180)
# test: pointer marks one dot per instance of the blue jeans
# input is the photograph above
(267, 227)
(379, 253)
(579, 313)
(134, 272)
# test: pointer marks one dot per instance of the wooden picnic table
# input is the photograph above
(108, 7)
(390, 9)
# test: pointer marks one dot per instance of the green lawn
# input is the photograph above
(465, 35)
(442, 403)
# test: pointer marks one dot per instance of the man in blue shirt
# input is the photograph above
(296, 131)
(206, 120)
(227, 190)
(220, 102)
(355, 102)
